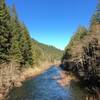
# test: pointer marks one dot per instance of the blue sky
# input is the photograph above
(53, 22)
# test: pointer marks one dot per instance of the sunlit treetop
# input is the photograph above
(96, 15)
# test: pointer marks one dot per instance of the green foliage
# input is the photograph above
(15, 43)
(96, 16)
(45, 52)
(37, 52)
(66, 55)
(15, 52)
(51, 53)
(21, 50)
(5, 32)
(25, 46)
(79, 34)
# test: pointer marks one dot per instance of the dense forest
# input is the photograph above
(82, 55)
(17, 49)
(44, 52)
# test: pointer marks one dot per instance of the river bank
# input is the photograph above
(66, 78)
(25, 74)
(63, 79)
(31, 73)
(46, 87)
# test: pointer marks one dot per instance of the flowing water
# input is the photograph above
(44, 87)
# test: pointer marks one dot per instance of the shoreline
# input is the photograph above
(25, 74)
(34, 72)
(66, 78)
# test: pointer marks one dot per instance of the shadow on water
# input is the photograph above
(43, 87)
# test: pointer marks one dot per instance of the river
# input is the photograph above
(44, 87)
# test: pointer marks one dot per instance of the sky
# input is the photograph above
(53, 22)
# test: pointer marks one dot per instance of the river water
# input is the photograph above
(44, 87)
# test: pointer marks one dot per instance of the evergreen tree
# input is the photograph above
(96, 15)
(81, 32)
(5, 32)
(15, 50)
(25, 46)
(79, 35)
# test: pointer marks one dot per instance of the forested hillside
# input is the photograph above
(17, 49)
(82, 55)
(44, 52)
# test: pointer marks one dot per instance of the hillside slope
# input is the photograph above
(43, 52)
(82, 55)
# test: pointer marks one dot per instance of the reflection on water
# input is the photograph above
(44, 87)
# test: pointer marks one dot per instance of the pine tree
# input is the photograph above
(81, 32)
(96, 15)
(25, 46)
(5, 32)
(15, 50)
